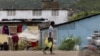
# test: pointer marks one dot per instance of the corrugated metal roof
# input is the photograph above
(87, 17)
(20, 4)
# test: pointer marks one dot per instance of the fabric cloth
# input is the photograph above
(15, 38)
(19, 28)
(31, 33)
(34, 44)
(51, 31)
(5, 30)
(24, 27)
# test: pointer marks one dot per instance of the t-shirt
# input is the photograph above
(51, 31)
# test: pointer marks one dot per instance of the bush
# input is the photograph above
(68, 44)
(22, 44)
(79, 15)
(82, 15)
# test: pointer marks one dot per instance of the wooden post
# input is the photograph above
(10, 43)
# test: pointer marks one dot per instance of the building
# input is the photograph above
(57, 15)
(49, 11)
(83, 28)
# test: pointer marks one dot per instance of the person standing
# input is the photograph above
(15, 40)
(50, 38)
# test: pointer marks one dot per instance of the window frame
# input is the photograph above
(55, 12)
(37, 12)
(11, 13)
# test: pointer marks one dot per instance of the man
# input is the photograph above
(50, 38)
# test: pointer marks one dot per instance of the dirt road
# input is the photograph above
(38, 53)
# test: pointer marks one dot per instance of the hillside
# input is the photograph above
(66, 3)
(72, 4)
(87, 5)
(83, 8)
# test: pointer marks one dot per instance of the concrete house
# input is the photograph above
(30, 18)
(83, 28)
(49, 11)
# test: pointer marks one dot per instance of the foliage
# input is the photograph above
(82, 14)
(68, 44)
(93, 5)
(87, 5)
(82, 5)
(22, 44)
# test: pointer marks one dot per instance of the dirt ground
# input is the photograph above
(38, 53)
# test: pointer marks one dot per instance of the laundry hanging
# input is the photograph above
(31, 32)
(19, 28)
(5, 30)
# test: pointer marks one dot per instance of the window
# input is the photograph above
(10, 13)
(55, 13)
(37, 12)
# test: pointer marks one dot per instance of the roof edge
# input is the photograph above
(73, 21)
(38, 9)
